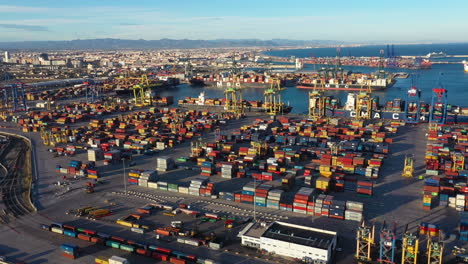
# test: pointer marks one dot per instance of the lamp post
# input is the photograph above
(124, 176)
(255, 212)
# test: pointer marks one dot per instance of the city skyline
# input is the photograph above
(359, 22)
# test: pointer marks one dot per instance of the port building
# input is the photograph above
(296, 241)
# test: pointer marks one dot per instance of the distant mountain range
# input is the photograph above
(108, 43)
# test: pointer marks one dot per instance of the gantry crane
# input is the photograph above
(261, 147)
(409, 248)
(142, 92)
(409, 167)
(435, 251)
(438, 110)
(381, 71)
(234, 103)
(364, 103)
(413, 105)
(365, 242)
(14, 97)
(387, 245)
(273, 104)
(317, 107)
(433, 127)
(93, 92)
(458, 162)
(196, 149)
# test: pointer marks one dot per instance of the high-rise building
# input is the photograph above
(7, 57)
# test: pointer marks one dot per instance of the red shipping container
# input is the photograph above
(175, 260)
(68, 256)
(300, 208)
(83, 237)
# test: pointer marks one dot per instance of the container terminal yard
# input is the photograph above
(91, 174)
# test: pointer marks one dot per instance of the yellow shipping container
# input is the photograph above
(324, 168)
(101, 260)
(124, 223)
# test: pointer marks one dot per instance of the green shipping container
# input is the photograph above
(127, 248)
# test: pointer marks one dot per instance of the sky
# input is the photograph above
(356, 21)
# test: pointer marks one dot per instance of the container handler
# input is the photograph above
(89, 187)
(409, 167)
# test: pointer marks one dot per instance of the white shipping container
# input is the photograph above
(184, 190)
(57, 230)
(192, 242)
(153, 185)
(118, 260)
(137, 230)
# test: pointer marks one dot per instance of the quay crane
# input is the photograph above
(365, 242)
(438, 107)
(364, 103)
(387, 245)
(273, 103)
(142, 92)
(316, 104)
(413, 106)
(234, 103)
(409, 248)
(93, 92)
(14, 98)
(435, 251)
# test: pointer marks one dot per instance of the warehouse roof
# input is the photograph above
(301, 235)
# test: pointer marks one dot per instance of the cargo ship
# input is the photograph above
(346, 81)
(465, 65)
(395, 110)
(247, 80)
(196, 82)
(217, 104)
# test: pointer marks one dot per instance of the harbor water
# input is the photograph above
(449, 76)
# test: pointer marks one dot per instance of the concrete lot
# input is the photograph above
(396, 200)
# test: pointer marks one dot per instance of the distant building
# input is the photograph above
(59, 62)
(7, 57)
(312, 245)
(43, 56)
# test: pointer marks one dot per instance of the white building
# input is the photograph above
(7, 57)
(295, 241)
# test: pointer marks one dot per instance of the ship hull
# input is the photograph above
(242, 84)
(344, 87)
(287, 109)
(387, 115)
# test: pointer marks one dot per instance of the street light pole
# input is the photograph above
(255, 212)
(124, 176)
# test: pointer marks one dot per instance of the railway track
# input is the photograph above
(15, 183)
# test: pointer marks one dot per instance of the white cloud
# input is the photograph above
(23, 9)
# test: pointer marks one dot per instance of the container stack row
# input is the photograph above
(126, 245)
(69, 251)
(464, 226)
